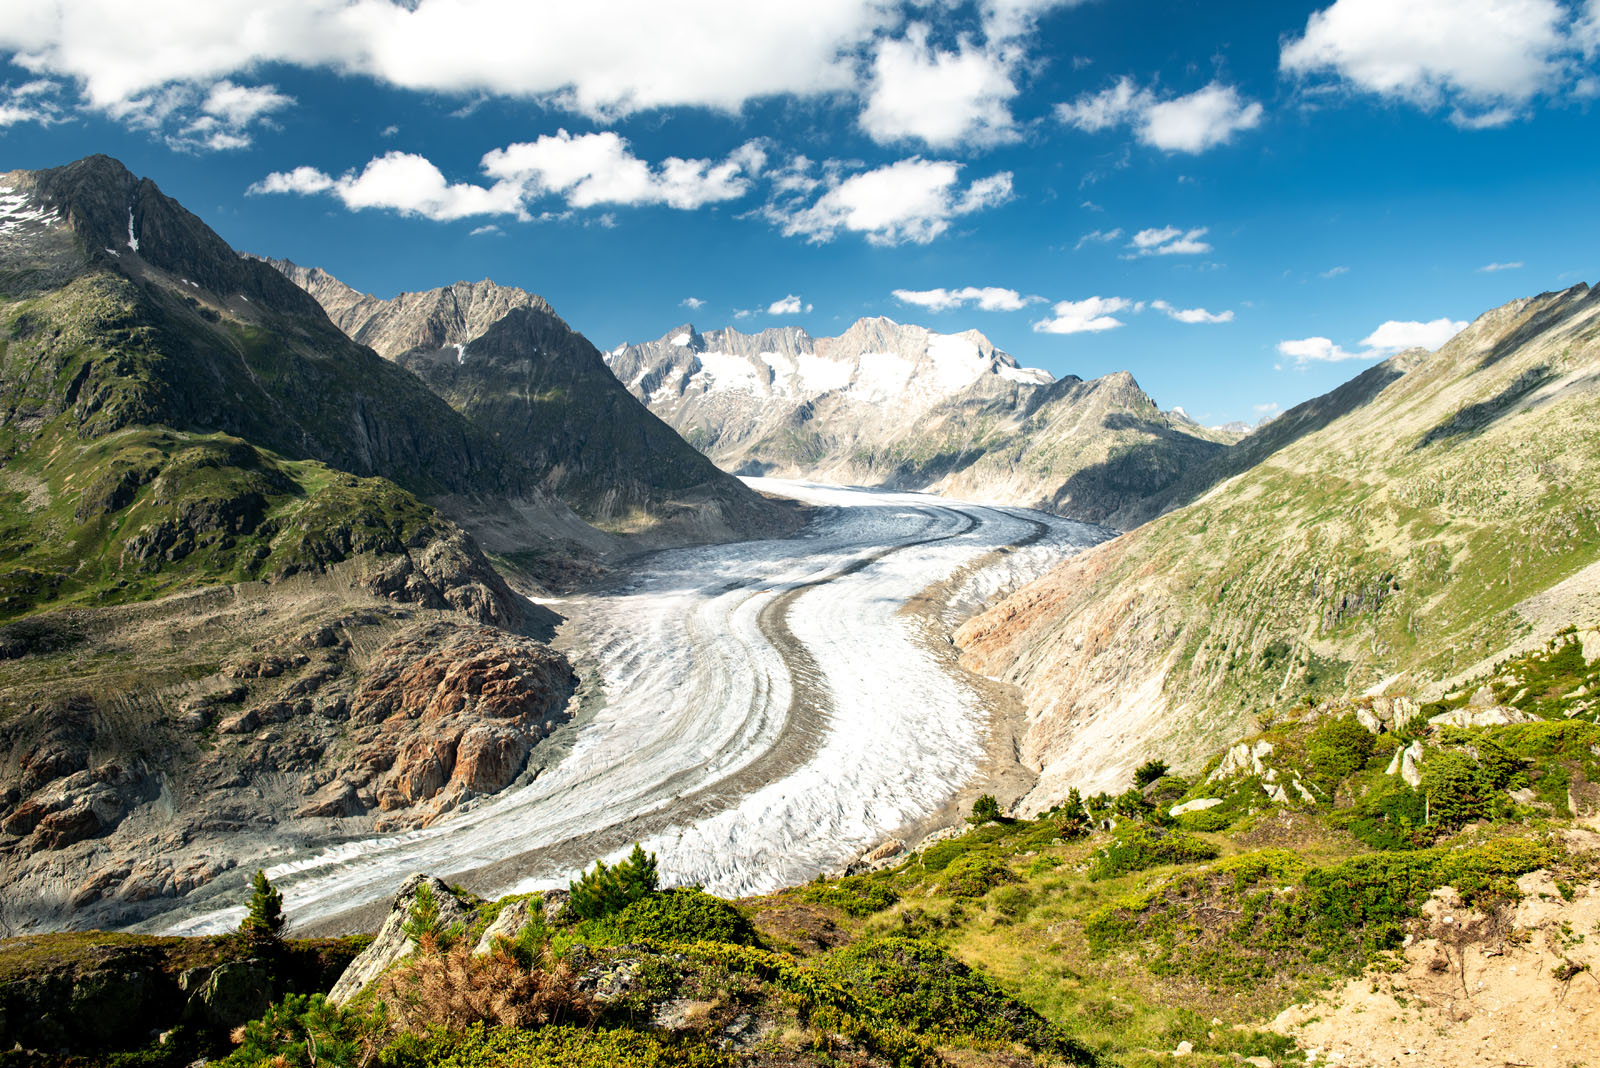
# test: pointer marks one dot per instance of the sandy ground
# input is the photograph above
(1508, 990)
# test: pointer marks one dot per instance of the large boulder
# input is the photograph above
(233, 994)
(392, 944)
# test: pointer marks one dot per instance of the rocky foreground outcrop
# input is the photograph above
(1475, 988)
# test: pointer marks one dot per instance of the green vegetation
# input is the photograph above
(1149, 772)
(604, 890)
(263, 918)
(1138, 846)
(1049, 939)
(985, 810)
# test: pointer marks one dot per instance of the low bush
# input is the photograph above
(681, 915)
(857, 895)
(921, 988)
(974, 874)
(1137, 846)
(552, 1047)
(1264, 914)
(453, 989)
(309, 1032)
(1337, 749)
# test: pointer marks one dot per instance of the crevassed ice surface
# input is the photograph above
(695, 690)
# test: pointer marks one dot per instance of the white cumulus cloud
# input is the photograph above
(913, 200)
(789, 305)
(1395, 336)
(1087, 316)
(1391, 337)
(987, 298)
(584, 171)
(1191, 315)
(938, 97)
(599, 168)
(692, 303)
(1485, 59)
(1193, 123)
(600, 57)
(1170, 241)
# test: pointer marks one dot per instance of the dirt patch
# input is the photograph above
(803, 929)
(1514, 987)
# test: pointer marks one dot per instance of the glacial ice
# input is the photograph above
(694, 692)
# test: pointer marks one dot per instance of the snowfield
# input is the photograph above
(757, 712)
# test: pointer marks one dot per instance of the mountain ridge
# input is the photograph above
(508, 363)
(1419, 521)
(899, 405)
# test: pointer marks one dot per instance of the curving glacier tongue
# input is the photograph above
(766, 709)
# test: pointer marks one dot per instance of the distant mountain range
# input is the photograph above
(502, 358)
(897, 405)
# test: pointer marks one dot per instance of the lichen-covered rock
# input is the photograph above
(232, 994)
(511, 920)
(392, 944)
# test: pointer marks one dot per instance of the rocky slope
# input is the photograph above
(900, 406)
(215, 540)
(503, 358)
(1418, 522)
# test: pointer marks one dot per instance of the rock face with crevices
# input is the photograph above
(446, 714)
(392, 944)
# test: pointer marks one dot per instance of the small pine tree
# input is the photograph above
(263, 919)
(984, 810)
(1075, 822)
(423, 924)
(1149, 772)
(605, 890)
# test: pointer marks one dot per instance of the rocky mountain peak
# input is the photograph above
(126, 222)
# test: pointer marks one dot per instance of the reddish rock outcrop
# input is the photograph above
(446, 713)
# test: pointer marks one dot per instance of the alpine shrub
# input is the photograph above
(606, 890)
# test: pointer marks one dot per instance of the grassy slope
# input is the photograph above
(153, 439)
(1393, 543)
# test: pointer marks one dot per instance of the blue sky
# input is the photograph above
(1244, 204)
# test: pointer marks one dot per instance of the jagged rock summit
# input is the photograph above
(505, 360)
(899, 405)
